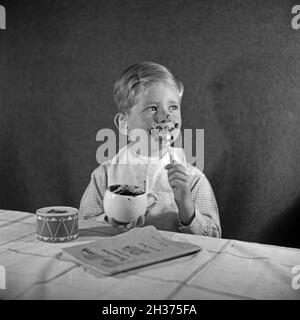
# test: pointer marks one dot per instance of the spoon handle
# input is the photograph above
(170, 151)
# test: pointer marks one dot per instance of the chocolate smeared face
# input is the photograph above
(164, 132)
(157, 111)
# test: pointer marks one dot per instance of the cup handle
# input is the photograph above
(154, 196)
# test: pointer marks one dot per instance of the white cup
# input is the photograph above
(125, 208)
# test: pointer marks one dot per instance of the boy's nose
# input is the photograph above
(164, 118)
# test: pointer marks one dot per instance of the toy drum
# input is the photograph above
(57, 224)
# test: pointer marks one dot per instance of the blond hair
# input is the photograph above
(138, 76)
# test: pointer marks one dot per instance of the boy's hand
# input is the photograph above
(180, 183)
(123, 227)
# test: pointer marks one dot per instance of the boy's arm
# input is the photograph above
(91, 204)
(206, 221)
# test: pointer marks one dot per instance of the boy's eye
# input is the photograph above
(175, 107)
(152, 108)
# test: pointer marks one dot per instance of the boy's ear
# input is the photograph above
(120, 121)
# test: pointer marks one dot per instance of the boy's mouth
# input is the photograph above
(163, 132)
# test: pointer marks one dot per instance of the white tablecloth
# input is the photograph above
(223, 269)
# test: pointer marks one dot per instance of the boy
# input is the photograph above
(149, 97)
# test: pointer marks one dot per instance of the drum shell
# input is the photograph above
(52, 227)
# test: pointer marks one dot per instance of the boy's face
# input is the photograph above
(156, 107)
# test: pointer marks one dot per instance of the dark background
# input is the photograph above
(238, 59)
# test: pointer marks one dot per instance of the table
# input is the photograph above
(223, 269)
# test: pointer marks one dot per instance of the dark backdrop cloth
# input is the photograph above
(239, 61)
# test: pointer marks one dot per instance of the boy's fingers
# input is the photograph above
(178, 168)
(122, 229)
(115, 224)
(178, 175)
(172, 164)
(139, 221)
(131, 224)
(111, 221)
(178, 184)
